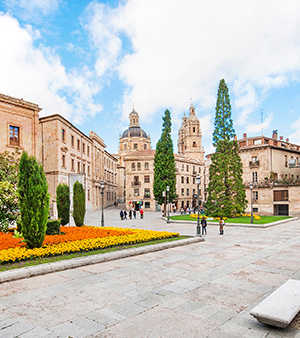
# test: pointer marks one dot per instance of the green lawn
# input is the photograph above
(242, 219)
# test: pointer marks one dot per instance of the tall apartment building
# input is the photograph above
(136, 164)
(272, 165)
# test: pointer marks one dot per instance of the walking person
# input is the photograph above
(130, 214)
(125, 214)
(221, 224)
(134, 213)
(203, 225)
(142, 213)
(121, 215)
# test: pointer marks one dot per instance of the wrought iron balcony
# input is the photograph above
(254, 164)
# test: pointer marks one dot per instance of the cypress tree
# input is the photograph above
(78, 204)
(33, 200)
(226, 193)
(164, 163)
(63, 203)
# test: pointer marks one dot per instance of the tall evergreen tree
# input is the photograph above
(164, 163)
(78, 204)
(226, 193)
(33, 200)
(63, 203)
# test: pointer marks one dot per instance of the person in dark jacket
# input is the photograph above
(204, 225)
(121, 215)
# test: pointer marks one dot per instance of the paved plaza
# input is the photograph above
(205, 289)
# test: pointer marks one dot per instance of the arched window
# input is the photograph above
(138, 166)
(194, 144)
(133, 166)
(146, 166)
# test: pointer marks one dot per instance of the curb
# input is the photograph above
(42, 269)
(257, 226)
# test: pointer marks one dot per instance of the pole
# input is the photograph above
(168, 207)
(198, 219)
(102, 215)
(251, 221)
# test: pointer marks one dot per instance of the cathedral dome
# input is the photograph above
(134, 132)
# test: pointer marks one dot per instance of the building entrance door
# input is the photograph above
(281, 209)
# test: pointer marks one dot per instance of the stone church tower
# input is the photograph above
(190, 136)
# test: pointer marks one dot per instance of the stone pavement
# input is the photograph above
(205, 289)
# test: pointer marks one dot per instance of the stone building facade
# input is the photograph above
(19, 127)
(136, 164)
(272, 164)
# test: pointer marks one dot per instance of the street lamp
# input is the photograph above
(168, 206)
(102, 215)
(198, 181)
(251, 188)
(164, 196)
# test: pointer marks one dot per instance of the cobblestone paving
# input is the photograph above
(205, 289)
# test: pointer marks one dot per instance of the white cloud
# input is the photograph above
(258, 127)
(295, 137)
(32, 9)
(37, 75)
(181, 49)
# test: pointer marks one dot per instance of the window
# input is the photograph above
(194, 181)
(78, 167)
(136, 192)
(135, 146)
(89, 197)
(72, 141)
(146, 166)
(138, 166)
(254, 159)
(147, 179)
(83, 147)
(194, 144)
(281, 195)
(286, 161)
(147, 205)
(88, 170)
(255, 209)
(63, 161)
(194, 129)
(145, 146)
(182, 167)
(88, 150)
(63, 135)
(187, 180)
(193, 192)
(136, 180)
(83, 168)
(199, 170)
(254, 176)
(187, 192)
(257, 141)
(182, 192)
(14, 136)
(255, 195)
(187, 168)
(147, 193)
(125, 146)
(72, 165)
(182, 179)
(133, 166)
(78, 145)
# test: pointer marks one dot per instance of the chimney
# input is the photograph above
(275, 134)
(235, 137)
(281, 138)
(287, 140)
(245, 135)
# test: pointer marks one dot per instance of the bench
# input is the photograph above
(281, 306)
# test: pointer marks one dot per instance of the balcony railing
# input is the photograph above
(136, 184)
(147, 196)
(254, 164)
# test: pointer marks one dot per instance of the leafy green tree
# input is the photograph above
(226, 193)
(33, 200)
(78, 204)
(9, 204)
(164, 163)
(63, 203)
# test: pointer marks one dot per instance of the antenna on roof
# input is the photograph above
(262, 120)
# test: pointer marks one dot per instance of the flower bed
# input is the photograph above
(225, 218)
(76, 240)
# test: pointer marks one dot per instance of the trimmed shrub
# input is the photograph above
(53, 227)
(63, 203)
(33, 200)
(78, 204)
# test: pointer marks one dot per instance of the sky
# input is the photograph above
(90, 61)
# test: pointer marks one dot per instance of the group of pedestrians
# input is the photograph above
(131, 213)
(204, 226)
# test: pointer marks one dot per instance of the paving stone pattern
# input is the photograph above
(205, 289)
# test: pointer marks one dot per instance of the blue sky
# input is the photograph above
(91, 60)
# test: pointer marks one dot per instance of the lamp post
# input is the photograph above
(251, 188)
(168, 206)
(164, 196)
(102, 215)
(198, 181)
